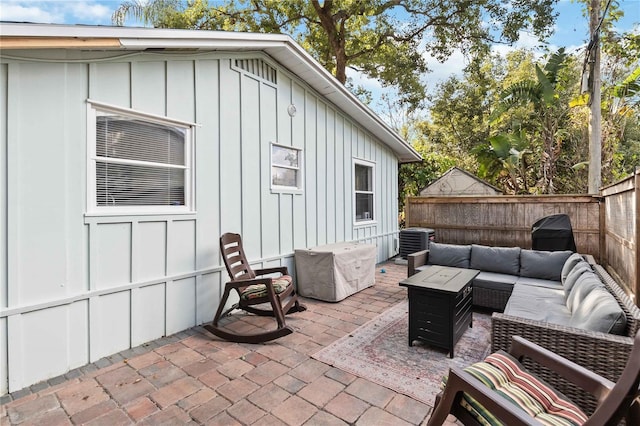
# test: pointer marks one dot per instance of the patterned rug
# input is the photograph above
(378, 351)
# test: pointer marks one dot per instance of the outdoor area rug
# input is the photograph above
(378, 351)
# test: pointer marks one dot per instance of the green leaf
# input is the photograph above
(580, 166)
(629, 86)
(555, 63)
(519, 93)
(501, 145)
(547, 89)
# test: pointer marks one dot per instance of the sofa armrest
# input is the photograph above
(631, 310)
(416, 260)
(604, 354)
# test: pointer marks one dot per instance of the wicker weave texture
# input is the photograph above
(490, 298)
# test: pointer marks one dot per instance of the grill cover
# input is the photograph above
(553, 233)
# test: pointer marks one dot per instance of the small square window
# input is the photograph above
(286, 170)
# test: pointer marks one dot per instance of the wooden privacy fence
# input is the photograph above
(605, 227)
(622, 231)
(504, 220)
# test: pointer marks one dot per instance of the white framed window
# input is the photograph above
(286, 168)
(137, 162)
(363, 191)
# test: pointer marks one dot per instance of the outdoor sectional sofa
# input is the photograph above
(562, 301)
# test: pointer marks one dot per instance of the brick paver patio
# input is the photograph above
(195, 378)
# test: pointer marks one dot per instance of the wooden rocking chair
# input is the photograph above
(497, 391)
(279, 292)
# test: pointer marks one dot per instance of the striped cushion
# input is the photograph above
(256, 291)
(505, 375)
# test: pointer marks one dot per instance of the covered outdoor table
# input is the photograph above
(335, 271)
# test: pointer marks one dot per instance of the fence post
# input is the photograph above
(602, 232)
(636, 215)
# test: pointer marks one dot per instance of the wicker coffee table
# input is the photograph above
(440, 305)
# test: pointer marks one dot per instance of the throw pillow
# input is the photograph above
(504, 375)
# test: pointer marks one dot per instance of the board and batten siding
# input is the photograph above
(76, 287)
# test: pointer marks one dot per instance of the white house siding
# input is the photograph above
(76, 287)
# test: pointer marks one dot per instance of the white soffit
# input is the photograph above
(280, 47)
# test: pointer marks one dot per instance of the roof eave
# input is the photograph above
(279, 46)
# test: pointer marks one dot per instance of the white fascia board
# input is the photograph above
(87, 31)
(208, 44)
(279, 46)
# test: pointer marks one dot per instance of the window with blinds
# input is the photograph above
(140, 163)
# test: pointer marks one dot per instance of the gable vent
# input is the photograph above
(259, 68)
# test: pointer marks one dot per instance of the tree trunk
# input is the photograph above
(335, 37)
(341, 65)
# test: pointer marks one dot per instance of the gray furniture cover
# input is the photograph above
(335, 271)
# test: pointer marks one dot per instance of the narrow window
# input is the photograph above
(139, 163)
(363, 179)
(286, 168)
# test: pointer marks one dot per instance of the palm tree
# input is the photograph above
(507, 157)
(548, 112)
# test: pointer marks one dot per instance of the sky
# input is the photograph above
(571, 27)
